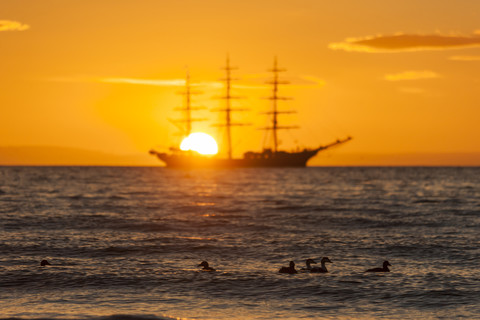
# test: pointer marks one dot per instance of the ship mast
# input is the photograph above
(187, 108)
(275, 82)
(228, 110)
(228, 124)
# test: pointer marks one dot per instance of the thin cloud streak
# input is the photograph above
(8, 25)
(176, 83)
(407, 42)
(465, 58)
(312, 81)
(148, 82)
(412, 75)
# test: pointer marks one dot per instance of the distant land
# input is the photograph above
(65, 156)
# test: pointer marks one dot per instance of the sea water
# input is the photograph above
(124, 243)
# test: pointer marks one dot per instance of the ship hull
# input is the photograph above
(265, 159)
(280, 159)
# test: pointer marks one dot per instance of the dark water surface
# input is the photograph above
(126, 241)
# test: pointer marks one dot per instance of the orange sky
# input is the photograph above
(401, 77)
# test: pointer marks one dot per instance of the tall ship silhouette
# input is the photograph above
(268, 157)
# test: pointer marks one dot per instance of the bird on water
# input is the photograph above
(205, 266)
(290, 269)
(44, 263)
(323, 268)
(308, 262)
(383, 269)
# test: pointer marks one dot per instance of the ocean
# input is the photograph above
(125, 243)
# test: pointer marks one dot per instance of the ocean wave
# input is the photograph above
(111, 317)
(127, 241)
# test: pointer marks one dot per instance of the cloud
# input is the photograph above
(178, 83)
(407, 42)
(305, 81)
(412, 75)
(149, 82)
(465, 58)
(136, 81)
(7, 25)
(162, 82)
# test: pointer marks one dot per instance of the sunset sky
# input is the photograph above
(101, 77)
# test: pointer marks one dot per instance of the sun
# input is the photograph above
(200, 142)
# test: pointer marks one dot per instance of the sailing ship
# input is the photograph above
(269, 157)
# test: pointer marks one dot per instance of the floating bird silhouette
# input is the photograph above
(308, 262)
(323, 268)
(44, 263)
(205, 266)
(290, 269)
(383, 269)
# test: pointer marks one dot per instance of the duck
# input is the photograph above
(205, 266)
(290, 269)
(308, 262)
(44, 263)
(323, 268)
(383, 269)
